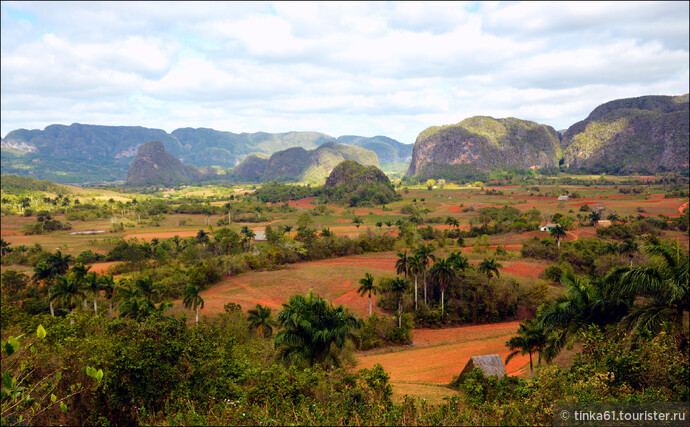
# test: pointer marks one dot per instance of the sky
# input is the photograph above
(352, 68)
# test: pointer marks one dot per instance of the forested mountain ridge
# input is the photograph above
(648, 134)
(153, 165)
(299, 165)
(91, 153)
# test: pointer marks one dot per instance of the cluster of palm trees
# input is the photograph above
(422, 263)
(642, 299)
(68, 287)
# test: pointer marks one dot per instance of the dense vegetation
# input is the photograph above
(81, 347)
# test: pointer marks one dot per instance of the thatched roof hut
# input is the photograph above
(490, 364)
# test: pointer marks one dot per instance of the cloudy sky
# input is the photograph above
(370, 68)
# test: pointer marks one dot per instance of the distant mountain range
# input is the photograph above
(91, 153)
(649, 134)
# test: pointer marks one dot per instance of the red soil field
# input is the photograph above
(530, 270)
(438, 355)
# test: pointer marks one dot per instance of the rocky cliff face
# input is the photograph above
(484, 144)
(153, 165)
(648, 134)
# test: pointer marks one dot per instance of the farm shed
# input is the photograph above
(603, 223)
(490, 364)
(563, 198)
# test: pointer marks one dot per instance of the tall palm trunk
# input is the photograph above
(95, 306)
(415, 292)
(531, 369)
(400, 313)
(52, 310)
(197, 314)
(425, 288)
(369, 304)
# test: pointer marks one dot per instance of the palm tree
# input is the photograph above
(202, 237)
(79, 272)
(259, 318)
(67, 292)
(425, 257)
(490, 268)
(402, 265)
(93, 285)
(595, 216)
(147, 289)
(193, 299)
(558, 233)
(314, 331)
(59, 262)
(630, 247)
(132, 303)
(367, 286)
(531, 338)
(664, 284)
(4, 247)
(585, 303)
(107, 284)
(415, 268)
(357, 221)
(443, 273)
(45, 273)
(398, 286)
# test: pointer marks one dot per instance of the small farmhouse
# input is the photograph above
(548, 227)
(490, 364)
(564, 198)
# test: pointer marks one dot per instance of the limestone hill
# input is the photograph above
(648, 134)
(481, 144)
(299, 165)
(153, 165)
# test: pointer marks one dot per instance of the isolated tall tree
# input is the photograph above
(443, 273)
(192, 299)
(558, 233)
(531, 338)
(259, 318)
(368, 287)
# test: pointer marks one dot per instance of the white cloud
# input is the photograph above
(366, 68)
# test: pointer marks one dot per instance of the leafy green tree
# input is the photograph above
(443, 273)
(259, 318)
(68, 292)
(367, 286)
(314, 331)
(192, 299)
(531, 338)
